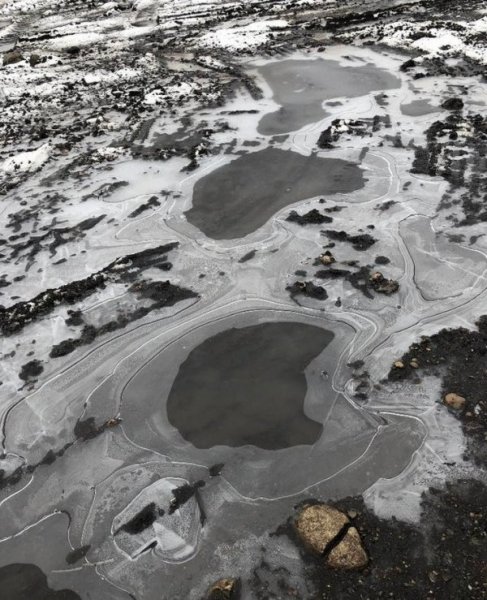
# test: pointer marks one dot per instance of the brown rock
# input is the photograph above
(349, 553)
(224, 589)
(318, 525)
(399, 364)
(454, 401)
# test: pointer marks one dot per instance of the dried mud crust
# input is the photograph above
(444, 557)
(459, 357)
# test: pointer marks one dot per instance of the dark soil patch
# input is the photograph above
(307, 288)
(360, 241)
(31, 370)
(459, 357)
(444, 557)
(153, 202)
(142, 520)
(313, 217)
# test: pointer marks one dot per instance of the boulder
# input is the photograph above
(453, 104)
(328, 532)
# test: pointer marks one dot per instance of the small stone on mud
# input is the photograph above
(224, 589)
(454, 401)
(399, 364)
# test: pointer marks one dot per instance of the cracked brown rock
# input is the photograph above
(328, 532)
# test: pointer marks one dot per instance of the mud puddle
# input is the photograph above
(238, 198)
(301, 87)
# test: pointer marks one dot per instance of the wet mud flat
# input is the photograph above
(247, 386)
(238, 198)
(302, 86)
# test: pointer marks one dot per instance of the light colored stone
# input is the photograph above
(454, 401)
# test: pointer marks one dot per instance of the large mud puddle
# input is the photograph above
(418, 108)
(247, 386)
(301, 87)
(240, 197)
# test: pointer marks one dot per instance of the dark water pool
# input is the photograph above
(247, 387)
(240, 197)
(418, 108)
(301, 87)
